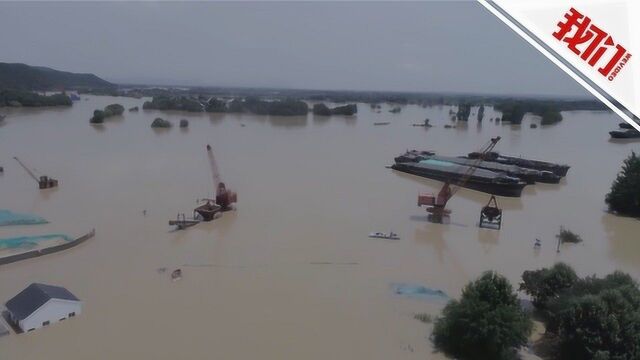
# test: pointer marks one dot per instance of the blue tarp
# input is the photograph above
(418, 292)
(10, 218)
(27, 242)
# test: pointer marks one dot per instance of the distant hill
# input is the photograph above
(25, 77)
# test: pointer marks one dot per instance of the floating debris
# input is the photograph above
(418, 291)
(382, 123)
(10, 218)
(161, 270)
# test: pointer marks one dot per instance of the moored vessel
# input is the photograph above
(482, 180)
(558, 169)
(626, 134)
(530, 176)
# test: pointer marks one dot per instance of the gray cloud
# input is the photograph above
(413, 46)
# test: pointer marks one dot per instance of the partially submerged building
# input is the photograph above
(40, 305)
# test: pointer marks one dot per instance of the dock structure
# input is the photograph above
(181, 222)
(49, 250)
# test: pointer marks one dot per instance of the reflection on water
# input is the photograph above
(310, 190)
(488, 238)
(287, 121)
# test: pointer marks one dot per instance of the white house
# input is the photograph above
(40, 305)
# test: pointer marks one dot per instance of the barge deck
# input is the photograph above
(558, 169)
(482, 180)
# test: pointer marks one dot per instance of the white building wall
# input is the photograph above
(53, 311)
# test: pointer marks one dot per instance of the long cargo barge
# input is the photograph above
(558, 169)
(482, 180)
(530, 176)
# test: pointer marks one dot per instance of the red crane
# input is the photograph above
(436, 204)
(224, 196)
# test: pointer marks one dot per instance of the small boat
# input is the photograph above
(176, 274)
(382, 123)
(424, 124)
(380, 235)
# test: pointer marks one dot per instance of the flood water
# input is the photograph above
(291, 274)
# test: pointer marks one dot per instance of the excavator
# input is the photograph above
(224, 197)
(490, 215)
(44, 182)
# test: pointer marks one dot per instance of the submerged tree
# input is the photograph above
(486, 323)
(591, 317)
(464, 110)
(546, 284)
(624, 197)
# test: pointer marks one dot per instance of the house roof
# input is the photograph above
(34, 296)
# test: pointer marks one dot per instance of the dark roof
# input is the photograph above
(33, 297)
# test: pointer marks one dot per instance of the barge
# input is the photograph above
(625, 125)
(530, 176)
(414, 156)
(482, 180)
(558, 169)
(627, 134)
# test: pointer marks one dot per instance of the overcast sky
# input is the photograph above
(425, 46)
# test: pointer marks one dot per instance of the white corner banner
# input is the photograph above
(595, 42)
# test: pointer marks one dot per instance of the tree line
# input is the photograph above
(585, 318)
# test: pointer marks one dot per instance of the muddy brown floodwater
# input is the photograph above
(291, 274)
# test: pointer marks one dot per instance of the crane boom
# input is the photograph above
(437, 204)
(224, 196)
(27, 169)
(474, 166)
(215, 174)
